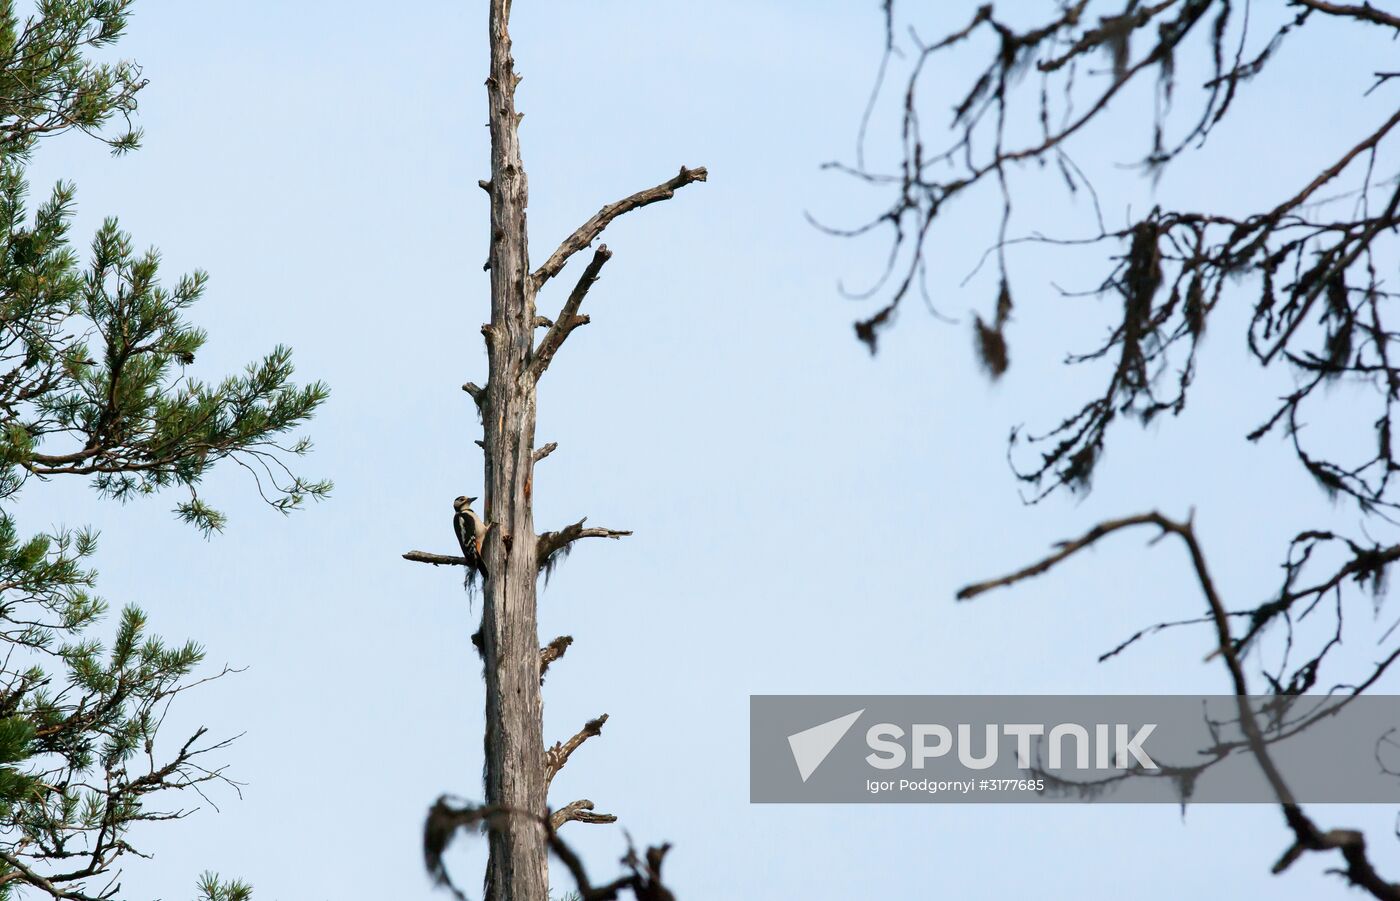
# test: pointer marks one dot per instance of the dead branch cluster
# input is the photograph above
(1315, 255)
(447, 817)
(1313, 265)
(1308, 836)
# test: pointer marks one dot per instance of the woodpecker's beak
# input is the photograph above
(471, 500)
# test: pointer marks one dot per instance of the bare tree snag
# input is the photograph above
(518, 864)
(516, 813)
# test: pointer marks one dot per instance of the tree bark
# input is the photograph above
(515, 771)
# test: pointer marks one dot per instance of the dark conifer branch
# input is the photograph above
(97, 349)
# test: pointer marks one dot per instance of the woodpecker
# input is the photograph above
(471, 533)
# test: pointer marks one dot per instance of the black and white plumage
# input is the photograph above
(471, 533)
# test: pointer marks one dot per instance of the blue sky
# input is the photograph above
(803, 514)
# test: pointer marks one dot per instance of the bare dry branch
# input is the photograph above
(551, 543)
(590, 230)
(558, 755)
(552, 652)
(580, 812)
(1307, 836)
(1322, 302)
(1065, 550)
(569, 318)
(1365, 12)
(1320, 264)
(446, 818)
(435, 559)
(544, 451)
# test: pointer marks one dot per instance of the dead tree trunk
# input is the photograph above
(515, 777)
(518, 766)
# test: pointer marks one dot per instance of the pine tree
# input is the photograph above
(94, 382)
